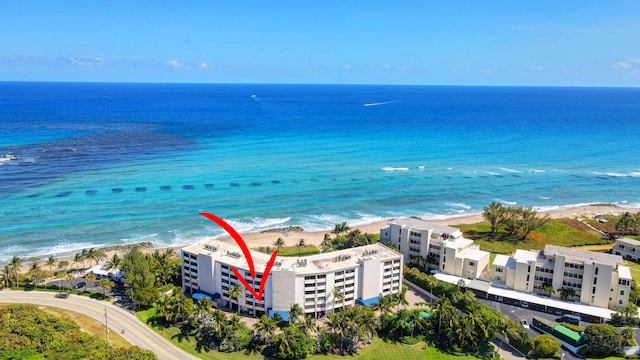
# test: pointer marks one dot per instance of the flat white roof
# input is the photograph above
(459, 243)
(535, 299)
(420, 224)
(628, 241)
(229, 252)
(525, 255)
(624, 272)
(500, 260)
(582, 255)
(474, 254)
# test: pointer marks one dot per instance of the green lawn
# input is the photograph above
(635, 270)
(380, 349)
(561, 232)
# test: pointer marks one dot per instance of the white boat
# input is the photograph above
(9, 157)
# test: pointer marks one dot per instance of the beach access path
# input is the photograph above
(135, 332)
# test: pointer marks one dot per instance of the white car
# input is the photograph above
(524, 323)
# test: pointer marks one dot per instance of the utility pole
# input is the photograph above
(106, 323)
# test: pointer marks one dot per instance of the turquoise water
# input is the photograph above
(107, 164)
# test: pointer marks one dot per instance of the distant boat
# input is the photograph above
(9, 156)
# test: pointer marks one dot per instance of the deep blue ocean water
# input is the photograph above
(107, 164)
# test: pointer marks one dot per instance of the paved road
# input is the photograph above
(135, 333)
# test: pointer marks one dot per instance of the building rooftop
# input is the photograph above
(474, 253)
(525, 255)
(500, 260)
(628, 241)
(419, 224)
(624, 272)
(582, 255)
(230, 253)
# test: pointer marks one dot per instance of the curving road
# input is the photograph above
(135, 332)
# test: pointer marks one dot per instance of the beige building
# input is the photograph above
(598, 279)
(361, 274)
(629, 249)
(444, 247)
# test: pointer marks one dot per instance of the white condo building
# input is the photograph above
(628, 248)
(598, 279)
(444, 247)
(361, 274)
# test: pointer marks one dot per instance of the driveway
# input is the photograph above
(119, 319)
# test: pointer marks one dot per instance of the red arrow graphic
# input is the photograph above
(247, 254)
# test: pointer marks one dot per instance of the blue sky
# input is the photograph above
(559, 43)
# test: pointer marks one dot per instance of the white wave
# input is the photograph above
(380, 103)
(537, 171)
(421, 167)
(388, 168)
(440, 217)
(459, 205)
(544, 197)
(256, 223)
(506, 202)
(510, 170)
(491, 173)
(61, 249)
(616, 174)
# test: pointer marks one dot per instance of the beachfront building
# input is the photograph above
(597, 279)
(361, 275)
(444, 248)
(628, 248)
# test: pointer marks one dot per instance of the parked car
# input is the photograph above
(80, 285)
(525, 304)
(62, 295)
(524, 323)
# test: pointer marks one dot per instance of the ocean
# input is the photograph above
(112, 163)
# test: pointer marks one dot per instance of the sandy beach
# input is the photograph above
(267, 238)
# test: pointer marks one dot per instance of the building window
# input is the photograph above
(596, 272)
(499, 278)
(621, 292)
(471, 263)
(499, 270)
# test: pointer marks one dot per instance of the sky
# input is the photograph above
(421, 42)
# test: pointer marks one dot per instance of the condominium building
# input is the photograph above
(444, 247)
(360, 274)
(629, 249)
(598, 279)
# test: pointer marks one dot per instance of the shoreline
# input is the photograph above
(292, 234)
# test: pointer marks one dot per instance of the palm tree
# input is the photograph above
(234, 294)
(326, 242)
(341, 228)
(93, 254)
(301, 244)
(6, 272)
(77, 259)
(15, 264)
(63, 264)
(566, 293)
(266, 328)
(337, 295)
(279, 244)
(495, 215)
(294, 313)
(401, 297)
(307, 325)
(60, 275)
(106, 285)
(115, 263)
(69, 278)
(626, 223)
(203, 306)
(50, 262)
(85, 256)
(90, 278)
(547, 288)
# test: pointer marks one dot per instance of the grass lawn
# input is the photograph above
(189, 344)
(380, 349)
(561, 232)
(635, 270)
